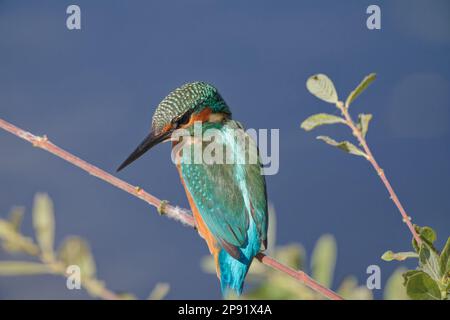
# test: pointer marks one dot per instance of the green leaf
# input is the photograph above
(429, 262)
(21, 268)
(76, 251)
(322, 87)
(93, 286)
(347, 286)
(126, 296)
(408, 274)
(16, 217)
(271, 229)
(44, 223)
(420, 286)
(208, 264)
(394, 289)
(323, 260)
(343, 145)
(444, 259)
(427, 234)
(160, 291)
(363, 123)
(360, 88)
(399, 256)
(319, 120)
(12, 238)
(292, 255)
(350, 290)
(14, 221)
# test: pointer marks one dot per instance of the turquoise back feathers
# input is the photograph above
(231, 199)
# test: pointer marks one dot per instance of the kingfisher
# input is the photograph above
(228, 199)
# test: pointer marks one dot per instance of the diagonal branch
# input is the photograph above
(179, 214)
(393, 196)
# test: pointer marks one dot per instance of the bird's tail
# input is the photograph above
(232, 272)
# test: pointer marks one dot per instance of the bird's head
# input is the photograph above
(195, 101)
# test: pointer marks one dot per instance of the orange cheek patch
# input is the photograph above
(201, 116)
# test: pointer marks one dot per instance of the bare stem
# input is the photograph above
(393, 196)
(176, 213)
(298, 275)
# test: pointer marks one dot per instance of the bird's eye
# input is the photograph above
(183, 119)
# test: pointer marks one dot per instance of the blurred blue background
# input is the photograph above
(94, 91)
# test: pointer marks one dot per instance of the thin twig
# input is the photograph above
(362, 141)
(298, 275)
(176, 213)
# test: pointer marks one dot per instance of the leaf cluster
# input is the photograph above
(431, 279)
(323, 88)
(72, 251)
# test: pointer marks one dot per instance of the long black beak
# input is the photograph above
(150, 141)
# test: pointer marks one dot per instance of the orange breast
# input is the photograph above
(202, 228)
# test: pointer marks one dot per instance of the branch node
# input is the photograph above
(408, 217)
(162, 207)
(38, 141)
